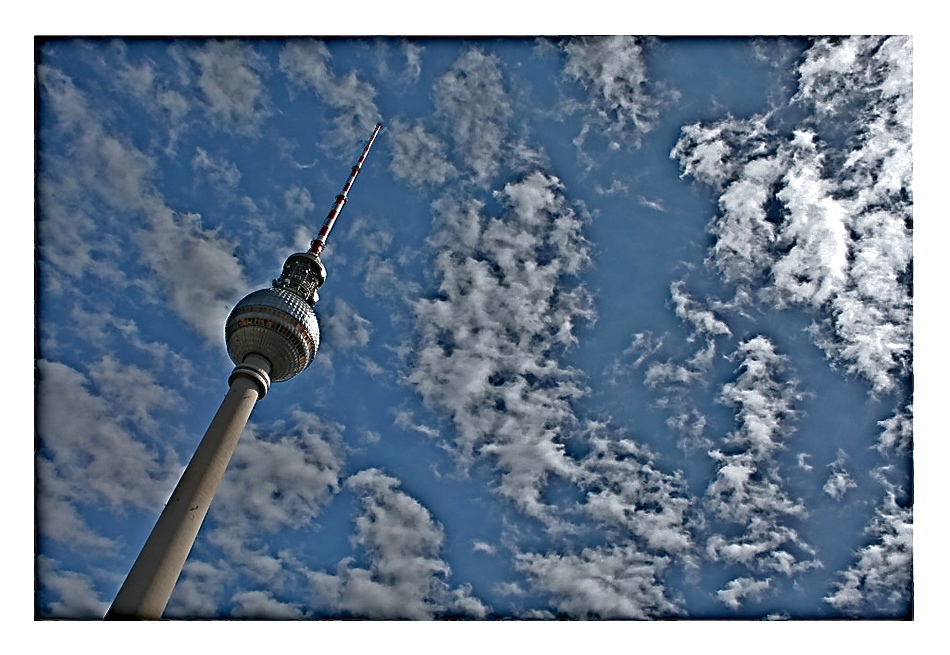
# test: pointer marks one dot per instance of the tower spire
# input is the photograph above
(318, 244)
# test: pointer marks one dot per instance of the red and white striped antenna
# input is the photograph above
(318, 244)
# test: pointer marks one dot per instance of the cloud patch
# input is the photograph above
(307, 64)
(613, 71)
(820, 221)
(602, 583)
(230, 80)
(503, 309)
(419, 156)
(173, 245)
(882, 576)
(473, 100)
(405, 577)
(747, 489)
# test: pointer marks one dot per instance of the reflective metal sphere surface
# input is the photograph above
(276, 324)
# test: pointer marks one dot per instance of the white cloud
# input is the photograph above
(344, 328)
(741, 588)
(613, 71)
(474, 102)
(747, 489)
(279, 480)
(219, 171)
(488, 340)
(764, 402)
(616, 186)
(736, 159)
(479, 546)
(282, 484)
(162, 94)
(306, 62)
(815, 266)
(691, 424)
(406, 578)
(93, 455)
(117, 171)
(58, 514)
(197, 593)
(644, 345)
(704, 321)
(99, 327)
(834, 71)
(669, 373)
(77, 597)
(413, 54)
(197, 268)
(230, 80)
(840, 480)
(405, 419)
(297, 200)
(656, 205)
(625, 491)
(133, 392)
(642, 510)
(418, 156)
(280, 477)
(898, 431)
(675, 378)
(882, 574)
(604, 583)
(262, 605)
(69, 240)
(175, 247)
(818, 219)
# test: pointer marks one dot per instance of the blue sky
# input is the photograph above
(613, 328)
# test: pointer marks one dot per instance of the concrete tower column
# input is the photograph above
(149, 584)
(271, 334)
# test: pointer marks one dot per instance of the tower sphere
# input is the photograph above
(276, 324)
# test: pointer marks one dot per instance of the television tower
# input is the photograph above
(272, 335)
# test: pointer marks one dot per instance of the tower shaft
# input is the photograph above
(270, 333)
(149, 584)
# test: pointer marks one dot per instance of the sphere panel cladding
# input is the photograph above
(276, 324)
